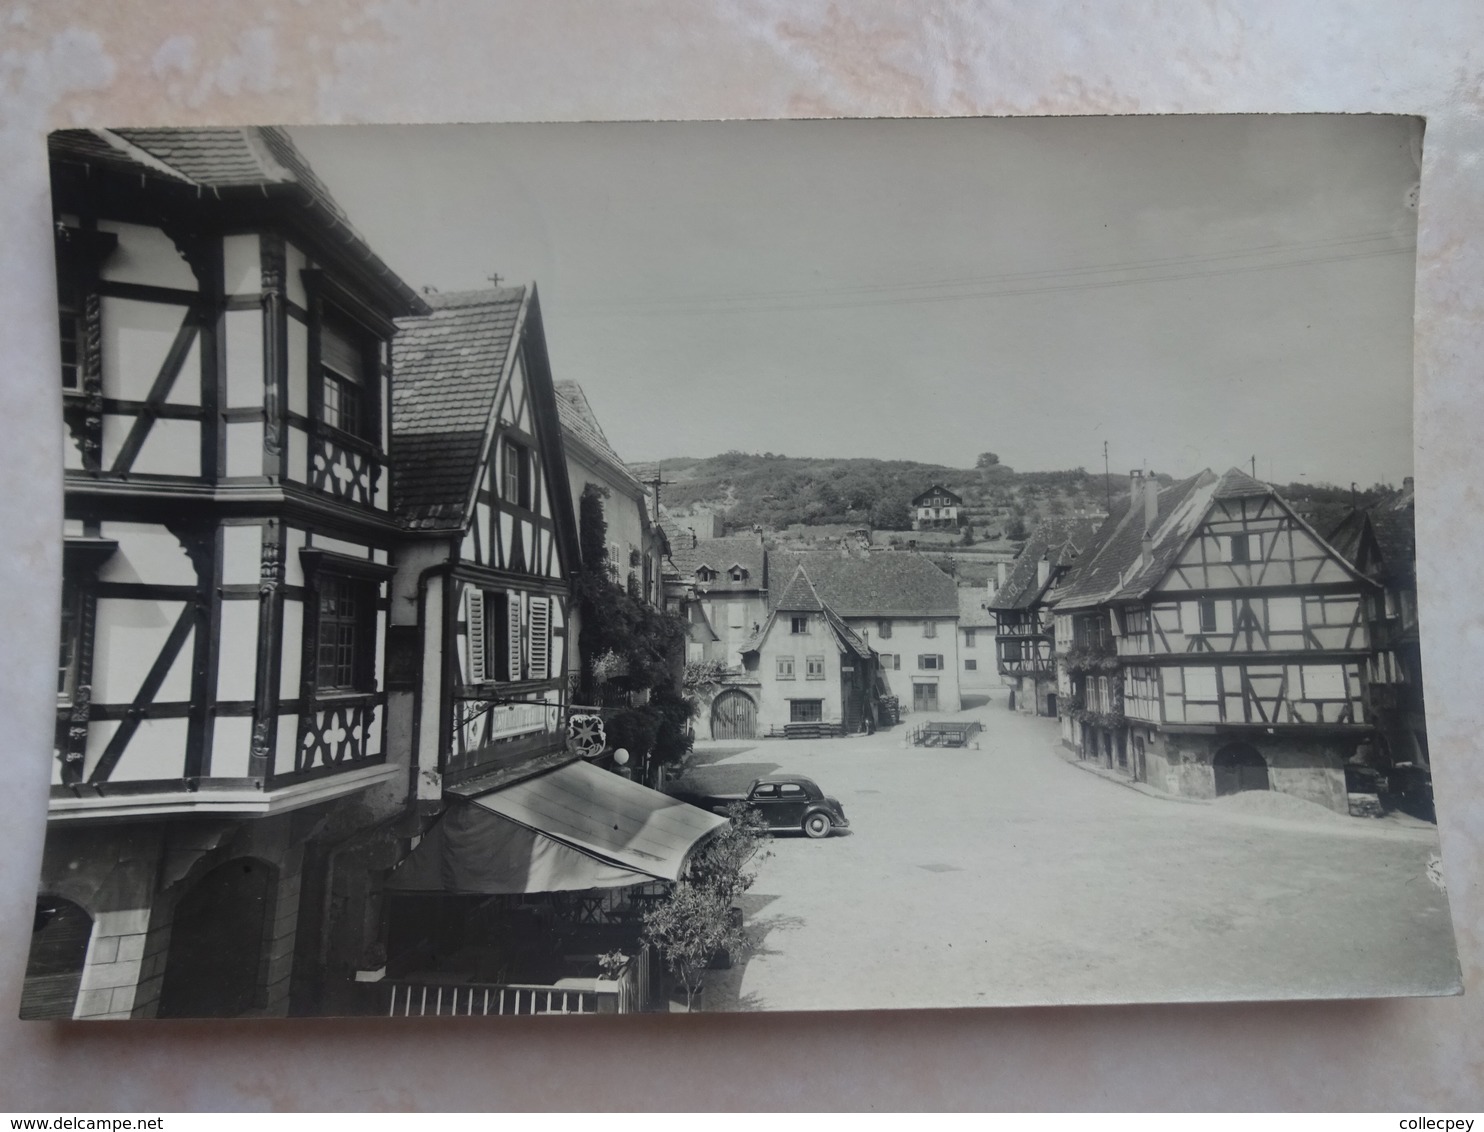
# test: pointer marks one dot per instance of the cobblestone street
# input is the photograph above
(1008, 875)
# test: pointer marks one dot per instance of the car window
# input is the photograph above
(766, 790)
(791, 790)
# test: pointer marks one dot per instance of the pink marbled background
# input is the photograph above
(170, 61)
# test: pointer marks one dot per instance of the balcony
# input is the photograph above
(1036, 666)
(1025, 630)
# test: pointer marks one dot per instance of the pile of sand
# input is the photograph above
(1273, 804)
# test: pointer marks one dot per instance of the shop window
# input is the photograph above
(805, 711)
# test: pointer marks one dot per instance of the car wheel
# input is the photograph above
(818, 825)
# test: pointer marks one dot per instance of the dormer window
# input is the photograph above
(739, 574)
(705, 574)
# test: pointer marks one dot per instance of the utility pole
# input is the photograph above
(657, 483)
(1254, 467)
(494, 278)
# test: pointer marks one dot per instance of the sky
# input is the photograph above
(1195, 291)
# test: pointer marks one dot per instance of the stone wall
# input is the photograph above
(1311, 768)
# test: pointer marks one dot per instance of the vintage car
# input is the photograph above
(788, 801)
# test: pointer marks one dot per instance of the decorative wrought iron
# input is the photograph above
(585, 734)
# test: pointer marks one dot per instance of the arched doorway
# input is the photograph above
(1239, 767)
(59, 949)
(216, 942)
(734, 716)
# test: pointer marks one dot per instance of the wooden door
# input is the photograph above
(924, 697)
(734, 716)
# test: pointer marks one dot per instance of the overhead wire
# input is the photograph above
(995, 285)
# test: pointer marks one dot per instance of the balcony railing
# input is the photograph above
(627, 993)
(1028, 666)
(1025, 629)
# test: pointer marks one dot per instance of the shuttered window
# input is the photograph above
(477, 636)
(514, 654)
(540, 638)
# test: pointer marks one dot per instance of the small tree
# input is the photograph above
(721, 863)
(986, 460)
(687, 929)
(695, 922)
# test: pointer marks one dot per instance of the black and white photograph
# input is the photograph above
(733, 566)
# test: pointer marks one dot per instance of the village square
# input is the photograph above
(386, 686)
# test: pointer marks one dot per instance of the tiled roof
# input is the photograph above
(446, 368)
(720, 554)
(1060, 540)
(883, 584)
(1392, 525)
(1237, 484)
(579, 423)
(972, 612)
(1101, 571)
(262, 158)
(938, 489)
(800, 596)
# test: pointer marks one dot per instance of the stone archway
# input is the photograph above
(1238, 767)
(214, 966)
(59, 950)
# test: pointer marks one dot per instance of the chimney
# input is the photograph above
(1407, 483)
(1043, 571)
(1151, 516)
(694, 541)
(1135, 486)
(1001, 572)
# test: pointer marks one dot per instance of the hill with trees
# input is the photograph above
(775, 492)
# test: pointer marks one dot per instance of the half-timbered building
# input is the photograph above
(1232, 638)
(225, 343)
(1024, 632)
(1381, 541)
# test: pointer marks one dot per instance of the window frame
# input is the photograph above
(518, 493)
(783, 668)
(814, 668)
(806, 711)
(362, 419)
(360, 622)
(799, 626)
(935, 666)
(1205, 606)
(929, 629)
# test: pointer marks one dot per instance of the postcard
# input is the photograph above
(737, 566)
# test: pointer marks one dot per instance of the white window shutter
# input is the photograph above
(474, 618)
(513, 622)
(540, 649)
